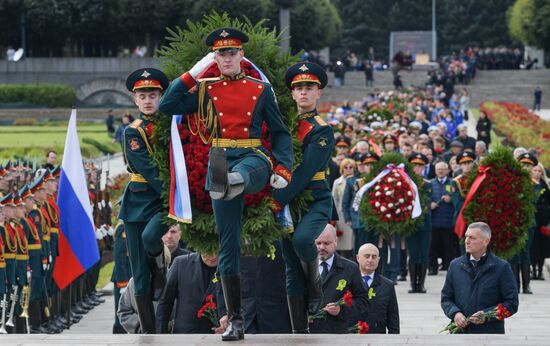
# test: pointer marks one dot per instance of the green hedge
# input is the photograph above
(51, 95)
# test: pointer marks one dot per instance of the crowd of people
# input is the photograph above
(31, 300)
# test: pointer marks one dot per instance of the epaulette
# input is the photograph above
(210, 79)
(320, 120)
(136, 123)
(256, 79)
(426, 181)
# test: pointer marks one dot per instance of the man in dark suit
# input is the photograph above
(190, 280)
(264, 295)
(382, 314)
(172, 241)
(338, 276)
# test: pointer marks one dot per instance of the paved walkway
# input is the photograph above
(420, 314)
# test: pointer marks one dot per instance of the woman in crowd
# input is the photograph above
(483, 128)
(540, 249)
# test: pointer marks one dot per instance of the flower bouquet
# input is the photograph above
(360, 327)
(208, 310)
(497, 313)
(347, 300)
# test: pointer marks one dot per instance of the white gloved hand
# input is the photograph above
(98, 235)
(111, 231)
(49, 258)
(122, 290)
(44, 266)
(29, 273)
(277, 181)
(200, 66)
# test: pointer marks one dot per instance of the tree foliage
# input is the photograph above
(528, 22)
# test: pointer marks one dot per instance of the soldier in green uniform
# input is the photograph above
(5, 177)
(418, 243)
(10, 245)
(459, 185)
(521, 262)
(142, 208)
(304, 287)
(235, 105)
(121, 271)
(22, 257)
(3, 291)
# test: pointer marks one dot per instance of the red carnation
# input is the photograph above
(348, 298)
(545, 231)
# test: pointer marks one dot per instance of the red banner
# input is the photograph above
(460, 225)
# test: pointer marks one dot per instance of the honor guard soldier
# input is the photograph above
(4, 298)
(304, 286)
(122, 271)
(389, 142)
(10, 243)
(459, 185)
(22, 257)
(4, 181)
(521, 262)
(418, 243)
(236, 105)
(142, 209)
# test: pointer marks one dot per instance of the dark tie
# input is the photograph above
(366, 279)
(324, 272)
(474, 263)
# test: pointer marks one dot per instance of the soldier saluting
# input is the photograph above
(141, 208)
(234, 107)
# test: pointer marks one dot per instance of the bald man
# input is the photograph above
(382, 314)
(338, 275)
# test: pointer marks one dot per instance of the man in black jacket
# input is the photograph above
(338, 275)
(264, 295)
(478, 282)
(382, 314)
(190, 280)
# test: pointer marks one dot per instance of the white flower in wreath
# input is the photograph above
(390, 180)
(383, 209)
(397, 211)
(410, 207)
(401, 201)
(390, 205)
(377, 187)
(377, 193)
(409, 193)
(399, 183)
(385, 189)
(388, 216)
(396, 175)
(389, 193)
(377, 204)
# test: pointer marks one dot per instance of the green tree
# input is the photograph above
(314, 24)
(520, 21)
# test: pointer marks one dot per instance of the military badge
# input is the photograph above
(323, 141)
(134, 144)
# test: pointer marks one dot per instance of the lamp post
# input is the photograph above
(434, 35)
(284, 24)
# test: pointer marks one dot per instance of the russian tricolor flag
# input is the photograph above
(78, 249)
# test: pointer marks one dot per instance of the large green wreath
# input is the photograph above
(505, 201)
(389, 227)
(186, 47)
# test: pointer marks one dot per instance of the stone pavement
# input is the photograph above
(420, 315)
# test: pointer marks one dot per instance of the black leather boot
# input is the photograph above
(413, 275)
(298, 314)
(231, 285)
(146, 314)
(314, 286)
(526, 278)
(421, 274)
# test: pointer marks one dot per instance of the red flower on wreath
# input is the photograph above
(544, 231)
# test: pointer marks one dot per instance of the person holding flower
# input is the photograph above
(476, 283)
(343, 291)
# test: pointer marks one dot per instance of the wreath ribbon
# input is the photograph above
(417, 209)
(460, 224)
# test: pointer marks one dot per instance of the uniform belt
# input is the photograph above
(2, 264)
(318, 176)
(138, 178)
(46, 237)
(9, 255)
(236, 143)
(22, 257)
(54, 230)
(34, 246)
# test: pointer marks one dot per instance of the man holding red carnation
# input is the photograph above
(476, 284)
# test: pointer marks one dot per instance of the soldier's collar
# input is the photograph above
(308, 114)
(238, 76)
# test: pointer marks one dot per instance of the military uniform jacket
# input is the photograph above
(2, 263)
(52, 209)
(317, 140)
(41, 224)
(427, 188)
(343, 275)
(141, 200)
(121, 271)
(239, 105)
(459, 190)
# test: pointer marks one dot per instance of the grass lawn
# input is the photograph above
(33, 141)
(105, 275)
